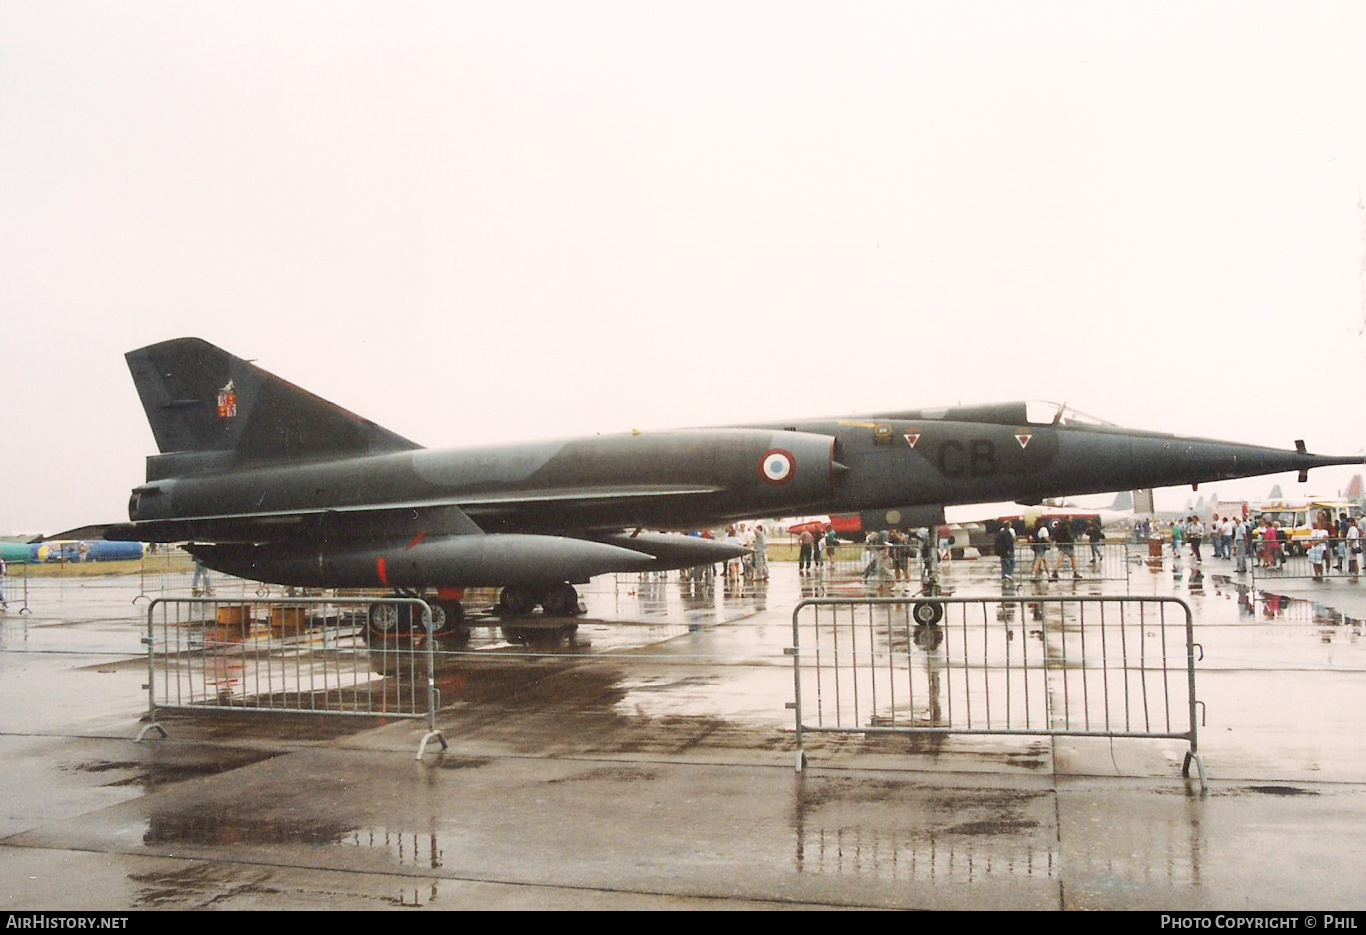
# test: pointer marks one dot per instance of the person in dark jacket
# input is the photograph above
(1005, 548)
(1066, 540)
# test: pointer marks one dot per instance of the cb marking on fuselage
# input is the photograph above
(976, 458)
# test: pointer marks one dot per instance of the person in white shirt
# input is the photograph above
(1242, 537)
(760, 554)
(747, 541)
(1318, 549)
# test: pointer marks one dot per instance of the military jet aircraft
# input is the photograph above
(270, 482)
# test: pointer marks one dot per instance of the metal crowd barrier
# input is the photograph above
(1295, 560)
(1105, 561)
(16, 586)
(1071, 666)
(157, 574)
(855, 558)
(161, 572)
(1101, 561)
(290, 656)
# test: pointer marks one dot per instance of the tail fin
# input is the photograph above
(1354, 488)
(1143, 501)
(201, 399)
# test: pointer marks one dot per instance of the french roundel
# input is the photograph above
(778, 466)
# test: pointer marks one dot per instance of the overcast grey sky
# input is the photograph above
(484, 222)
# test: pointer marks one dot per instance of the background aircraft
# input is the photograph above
(70, 550)
(17, 551)
(270, 482)
(86, 550)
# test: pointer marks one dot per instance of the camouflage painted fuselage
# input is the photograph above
(275, 482)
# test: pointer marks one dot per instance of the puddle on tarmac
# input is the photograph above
(209, 886)
(402, 848)
(659, 684)
(951, 859)
(406, 849)
(1266, 605)
(905, 831)
(925, 833)
(160, 770)
(200, 886)
(1278, 790)
(610, 774)
(463, 762)
(738, 694)
(220, 829)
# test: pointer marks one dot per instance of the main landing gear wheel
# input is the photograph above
(446, 615)
(384, 620)
(440, 618)
(927, 613)
(560, 600)
(516, 601)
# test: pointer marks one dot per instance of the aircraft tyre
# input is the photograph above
(516, 601)
(927, 613)
(446, 615)
(560, 600)
(386, 620)
(440, 619)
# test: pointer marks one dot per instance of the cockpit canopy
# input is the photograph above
(1031, 412)
(1043, 412)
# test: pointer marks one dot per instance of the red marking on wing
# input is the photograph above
(416, 539)
(383, 572)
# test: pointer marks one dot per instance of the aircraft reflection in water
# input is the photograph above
(273, 483)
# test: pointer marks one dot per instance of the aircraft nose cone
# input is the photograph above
(1161, 461)
(1312, 461)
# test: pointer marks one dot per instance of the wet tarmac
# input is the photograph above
(649, 764)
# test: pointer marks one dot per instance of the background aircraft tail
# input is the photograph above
(1124, 500)
(201, 400)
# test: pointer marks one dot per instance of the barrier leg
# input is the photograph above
(150, 727)
(422, 747)
(1199, 768)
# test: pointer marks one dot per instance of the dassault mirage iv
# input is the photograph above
(270, 482)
